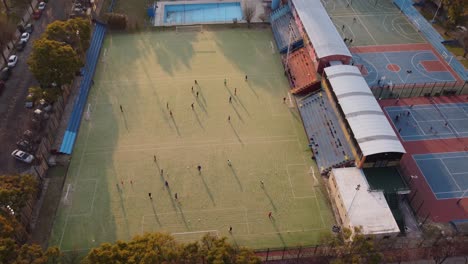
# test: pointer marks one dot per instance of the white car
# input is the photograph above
(41, 6)
(24, 37)
(22, 156)
(12, 60)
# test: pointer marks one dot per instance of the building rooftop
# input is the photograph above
(365, 208)
(370, 127)
(322, 32)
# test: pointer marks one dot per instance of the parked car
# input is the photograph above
(29, 28)
(20, 45)
(5, 74)
(37, 14)
(12, 60)
(25, 37)
(41, 6)
(24, 145)
(22, 156)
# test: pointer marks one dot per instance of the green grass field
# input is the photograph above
(264, 140)
(371, 22)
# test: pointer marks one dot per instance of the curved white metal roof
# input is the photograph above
(322, 33)
(366, 119)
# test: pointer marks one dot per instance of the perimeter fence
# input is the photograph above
(428, 89)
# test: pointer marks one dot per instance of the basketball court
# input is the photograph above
(401, 64)
(150, 123)
(434, 121)
(446, 173)
(371, 22)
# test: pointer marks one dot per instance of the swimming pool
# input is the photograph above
(202, 13)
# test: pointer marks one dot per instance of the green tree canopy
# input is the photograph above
(162, 248)
(455, 11)
(360, 249)
(52, 61)
(10, 252)
(15, 190)
(76, 32)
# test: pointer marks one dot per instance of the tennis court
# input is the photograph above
(434, 121)
(145, 104)
(446, 173)
(400, 64)
(371, 22)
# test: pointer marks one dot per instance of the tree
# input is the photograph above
(10, 252)
(116, 21)
(162, 248)
(76, 32)
(16, 190)
(53, 62)
(455, 11)
(249, 12)
(7, 32)
(360, 249)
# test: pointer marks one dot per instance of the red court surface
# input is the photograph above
(422, 198)
(301, 72)
(433, 66)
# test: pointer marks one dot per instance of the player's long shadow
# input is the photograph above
(233, 171)
(198, 120)
(237, 113)
(174, 205)
(235, 132)
(269, 198)
(202, 96)
(234, 241)
(155, 213)
(207, 188)
(239, 101)
(200, 104)
(252, 89)
(123, 210)
(125, 121)
(273, 221)
(175, 125)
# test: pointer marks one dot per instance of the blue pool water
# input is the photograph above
(202, 13)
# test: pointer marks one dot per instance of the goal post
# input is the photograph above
(189, 28)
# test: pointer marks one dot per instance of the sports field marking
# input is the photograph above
(75, 180)
(108, 153)
(292, 186)
(196, 232)
(183, 77)
(440, 176)
(244, 142)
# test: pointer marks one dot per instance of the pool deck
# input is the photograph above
(159, 17)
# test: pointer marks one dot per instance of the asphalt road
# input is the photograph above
(14, 117)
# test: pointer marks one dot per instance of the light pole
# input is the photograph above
(358, 187)
(437, 11)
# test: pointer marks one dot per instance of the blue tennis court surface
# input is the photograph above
(446, 173)
(398, 67)
(423, 122)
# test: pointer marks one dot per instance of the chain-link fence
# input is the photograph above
(408, 90)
